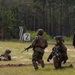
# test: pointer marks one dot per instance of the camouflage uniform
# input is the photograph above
(5, 56)
(38, 44)
(74, 40)
(62, 50)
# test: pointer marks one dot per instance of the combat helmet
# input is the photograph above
(40, 32)
(8, 51)
(59, 38)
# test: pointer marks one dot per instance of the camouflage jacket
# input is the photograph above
(74, 40)
(4, 57)
(61, 49)
(39, 43)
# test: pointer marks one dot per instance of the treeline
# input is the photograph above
(56, 17)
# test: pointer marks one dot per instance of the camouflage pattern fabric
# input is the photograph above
(36, 57)
(62, 50)
(38, 50)
(74, 40)
(38, 44)
(5, 56)
(39, 41)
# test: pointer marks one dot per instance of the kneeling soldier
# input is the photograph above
(59, 52)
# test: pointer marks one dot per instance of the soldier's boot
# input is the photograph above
(70, 66)
(36, 68)
(35, 65)
(42, 63)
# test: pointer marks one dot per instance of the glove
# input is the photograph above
(47, 60)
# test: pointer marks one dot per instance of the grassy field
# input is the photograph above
(25, 58)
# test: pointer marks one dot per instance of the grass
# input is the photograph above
(28, 70)
(25, 57)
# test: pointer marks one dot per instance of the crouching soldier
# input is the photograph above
(38, 44)
(59, 53)
(6, 55)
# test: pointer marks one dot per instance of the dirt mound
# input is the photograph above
(14, 65)
(19, 65)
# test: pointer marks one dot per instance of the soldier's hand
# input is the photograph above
(26, 49)
(47, 60)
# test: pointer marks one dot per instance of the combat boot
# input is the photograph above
(42, 63)
(36, 68)
(70, 66)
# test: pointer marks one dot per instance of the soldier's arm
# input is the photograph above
(64, 49)
(34, 41)
(33, 44)
(46, 43)
(50, 57)
(2, 54)
(74, 40)
(51, 54)
(28, 47)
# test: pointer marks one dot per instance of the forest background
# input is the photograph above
(56, 17)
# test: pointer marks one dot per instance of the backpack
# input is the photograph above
(41, 41)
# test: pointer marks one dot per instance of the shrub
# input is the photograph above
(68, 39)
(33, 34)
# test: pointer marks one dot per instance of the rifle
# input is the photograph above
(55, 52)
(22, 51)
(26, 49)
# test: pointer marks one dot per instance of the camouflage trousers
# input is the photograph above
(36, 58)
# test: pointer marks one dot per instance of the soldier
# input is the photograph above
(38, 44)
(6, 55)
(62, 51)
(74, 40)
